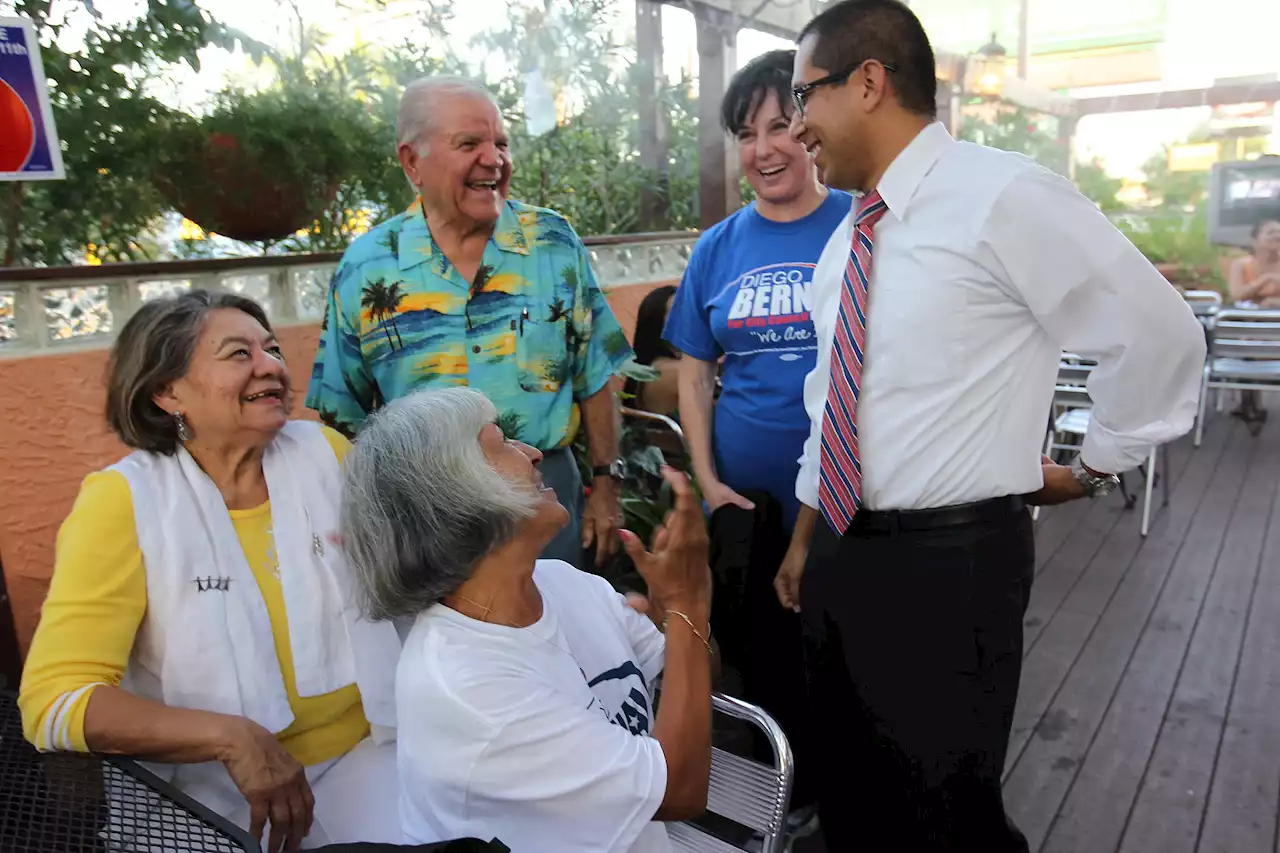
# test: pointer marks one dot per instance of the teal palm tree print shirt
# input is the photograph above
(533, 332)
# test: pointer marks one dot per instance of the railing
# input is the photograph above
(50, 309)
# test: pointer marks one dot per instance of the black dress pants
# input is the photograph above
(913, 641)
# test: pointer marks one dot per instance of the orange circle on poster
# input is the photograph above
(17, 130)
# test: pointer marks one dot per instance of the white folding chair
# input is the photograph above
(745, 791)
(1069, 419)
(1244, 355)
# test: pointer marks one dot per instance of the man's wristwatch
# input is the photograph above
(1094, 486)
(617, 470)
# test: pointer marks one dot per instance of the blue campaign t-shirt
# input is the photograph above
(745, 296)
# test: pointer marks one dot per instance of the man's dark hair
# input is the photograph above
(852, 31)
(647, 342)
(750, 87)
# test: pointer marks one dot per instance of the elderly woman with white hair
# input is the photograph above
(525, 688)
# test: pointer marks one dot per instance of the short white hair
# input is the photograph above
(419, 106)
(421, 504)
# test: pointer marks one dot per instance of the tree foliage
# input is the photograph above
(588, 166)
(1094, 183)
(109, 129)
(116, 136)
(1018, 129)
(1183, 191)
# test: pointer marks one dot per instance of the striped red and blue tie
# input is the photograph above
(840, 486)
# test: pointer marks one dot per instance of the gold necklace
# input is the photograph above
(487, 610)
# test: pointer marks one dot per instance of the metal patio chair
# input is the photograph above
(746, 792)
(1244, 355)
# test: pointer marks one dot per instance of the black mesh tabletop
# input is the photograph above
(58, 803)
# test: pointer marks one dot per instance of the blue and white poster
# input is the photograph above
(29, 149)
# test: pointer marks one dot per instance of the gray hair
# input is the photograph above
(419, 106)
(154, 350)
(420, 503)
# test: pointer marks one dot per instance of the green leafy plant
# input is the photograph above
(1099, 187)
(1017, 129)
(262, 165)
(644, 495)
(1179, 244)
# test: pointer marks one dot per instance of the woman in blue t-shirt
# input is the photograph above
(745, 298)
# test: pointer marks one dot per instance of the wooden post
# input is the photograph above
(1024, 37)
(948, 106)
(718, 193)
(655, 202)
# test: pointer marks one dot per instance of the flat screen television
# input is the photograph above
(1241, 194)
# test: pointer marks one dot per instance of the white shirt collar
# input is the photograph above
(903, 177)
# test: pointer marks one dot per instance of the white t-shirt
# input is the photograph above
(538, 736)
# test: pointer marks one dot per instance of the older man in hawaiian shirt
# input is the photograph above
(470, 288)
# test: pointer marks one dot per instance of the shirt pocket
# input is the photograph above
(918, 331)
(542, 352)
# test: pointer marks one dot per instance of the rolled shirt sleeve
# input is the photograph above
(1097, 296)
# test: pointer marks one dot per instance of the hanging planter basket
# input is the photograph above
(231, 193)
(259, 167)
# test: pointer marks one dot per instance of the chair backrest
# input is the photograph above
(1246, 333)
(745, 791)
(1073, 375)
(1203, 302)
(663, 433)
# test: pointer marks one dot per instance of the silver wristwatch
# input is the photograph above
(1094, 486)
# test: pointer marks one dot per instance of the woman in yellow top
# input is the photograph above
(199, 614)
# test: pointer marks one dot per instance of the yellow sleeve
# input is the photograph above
(337, 441)
(96, 602)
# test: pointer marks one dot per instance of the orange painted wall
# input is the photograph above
(52, 433)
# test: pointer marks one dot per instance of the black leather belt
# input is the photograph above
(888, 521)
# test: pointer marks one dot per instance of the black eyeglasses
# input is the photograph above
(800, 94)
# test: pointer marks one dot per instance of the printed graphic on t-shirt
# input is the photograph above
(770, 304)
(623, 688)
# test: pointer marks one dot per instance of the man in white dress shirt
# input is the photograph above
(939, 334)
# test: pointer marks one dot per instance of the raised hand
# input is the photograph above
(678, 568)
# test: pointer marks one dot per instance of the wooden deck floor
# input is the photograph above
(1149, 715)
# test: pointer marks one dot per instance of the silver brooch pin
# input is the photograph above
(317, 545)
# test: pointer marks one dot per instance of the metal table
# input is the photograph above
(61, 803)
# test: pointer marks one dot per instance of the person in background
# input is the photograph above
(1254, 282)
(468, 287)
(526, 686)
(198, 615)
(660, 395)
(745, 298)
(942, 306)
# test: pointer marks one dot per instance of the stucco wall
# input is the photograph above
(52, 433)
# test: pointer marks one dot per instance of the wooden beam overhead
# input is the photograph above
(1232, 93)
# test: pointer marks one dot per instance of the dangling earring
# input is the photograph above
(184, 428)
